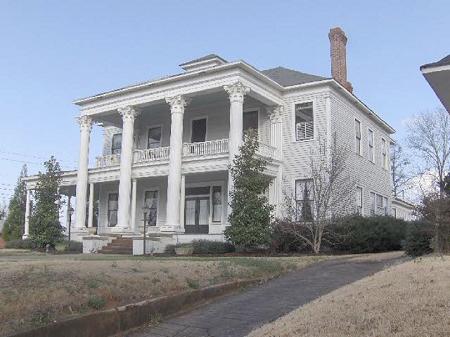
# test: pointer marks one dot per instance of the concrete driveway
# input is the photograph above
(237, 314)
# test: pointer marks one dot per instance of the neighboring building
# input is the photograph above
(400, 209)
(438, 76)
(168, 144)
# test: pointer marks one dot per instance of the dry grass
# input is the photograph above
(411, 299)
(36, 289)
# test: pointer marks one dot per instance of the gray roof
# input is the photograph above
(287, 77)
(204, 58)
(444, 62)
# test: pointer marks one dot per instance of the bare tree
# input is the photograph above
(321, 199)
(429, 138)
(399, 166)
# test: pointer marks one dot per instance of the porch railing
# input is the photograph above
(108, 160)
(207, 148)
(159, 153)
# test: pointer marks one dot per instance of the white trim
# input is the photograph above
(360, 135)
(161, 126)
(434, 69)
(362, 199)
(190, 129)
(373, 145)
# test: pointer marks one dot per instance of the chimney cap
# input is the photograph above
(337, 32)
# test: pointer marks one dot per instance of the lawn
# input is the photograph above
(36, 289)
(411, 299)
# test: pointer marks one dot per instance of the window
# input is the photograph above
(151, 205)
(113, 206)
(304, 121)
(116, 144)
(370, 143)
(154, 137)
(358, 137)
(198, 131)
(384, 157)
(372, 203)
(304, 198)
(359, 199)
(250, 120)
(217, 204)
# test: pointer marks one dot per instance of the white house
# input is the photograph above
(168, 144)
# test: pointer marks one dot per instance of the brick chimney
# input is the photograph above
(338, 53)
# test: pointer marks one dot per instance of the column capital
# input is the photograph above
(128, 112)
(177, 103)
(85, 122)
(275, 113)
(236, 91)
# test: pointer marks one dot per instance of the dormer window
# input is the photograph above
(304, 121)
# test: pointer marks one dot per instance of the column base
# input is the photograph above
(122, 230)
(171, 229)
(25, 236)
(76, 234)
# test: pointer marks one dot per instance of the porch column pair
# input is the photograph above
(236, 93)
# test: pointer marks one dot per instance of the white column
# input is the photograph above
(177, 105)
(82, 175)
(182, 202)
(126, 162)
(91, 206)
(236, 94)
(26, 232)
(134, 226)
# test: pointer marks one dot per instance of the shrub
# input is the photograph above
(20, 244)
(418, 239)
(212, 247)
(96, 302)
(284, 241)
(74, 247)
(170, 249)
(374, 234)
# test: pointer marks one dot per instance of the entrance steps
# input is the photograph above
(118, 245)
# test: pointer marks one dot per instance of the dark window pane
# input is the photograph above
(197, 190)
(112, 209)
(116, 143)
(250, 120)
(154, 137)
(217, 203)
(198, 130)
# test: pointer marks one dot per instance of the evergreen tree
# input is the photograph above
(45, 227)
(250, 219)
(15, 220)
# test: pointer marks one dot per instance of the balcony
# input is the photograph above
(200, 150)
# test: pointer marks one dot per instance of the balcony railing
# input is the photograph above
(208, 148)
(159, 153)
(108, 160)
(266, 150)
(304, 130)
(190, 150)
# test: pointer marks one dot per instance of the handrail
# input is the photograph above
(158, 153)
(210, 147)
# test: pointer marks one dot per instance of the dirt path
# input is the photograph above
(236, 315)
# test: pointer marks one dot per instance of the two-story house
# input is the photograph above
(168, 144)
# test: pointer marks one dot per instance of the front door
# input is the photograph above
(197, 215)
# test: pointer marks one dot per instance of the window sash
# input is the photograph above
(116, 143)
(151, 202)
(216, 201)
(304, 121)
(304, 198)
(154, 137)
(113, 206)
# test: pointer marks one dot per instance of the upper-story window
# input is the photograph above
(250, 120)
(154, 137)
(116, 143)
(384, 155)
(304, 121)
(370, 141)
(358, 147)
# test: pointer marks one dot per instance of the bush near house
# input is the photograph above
(418, 239)
(20, 244)
(212, 247)
(374, 234)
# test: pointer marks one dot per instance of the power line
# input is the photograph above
(33, 156)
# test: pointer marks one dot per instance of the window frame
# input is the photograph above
(191, 121)
(371, 149)
(110, 210)
(221, 203)
(294, 131)
(297, 218)
(260, 125)
(158, 208)
(154, 127)
(361, 199)
(384, 154)
(358, 140)
(112, 143)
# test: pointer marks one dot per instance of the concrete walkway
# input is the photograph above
(237, 314)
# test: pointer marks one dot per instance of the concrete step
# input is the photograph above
(118, 245)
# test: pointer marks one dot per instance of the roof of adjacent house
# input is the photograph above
(443, 62)
(288, 77)
(205, 58)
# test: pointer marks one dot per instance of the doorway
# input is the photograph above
(198, 130)
(197, 210)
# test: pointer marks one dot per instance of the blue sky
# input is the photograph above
(53, 52)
